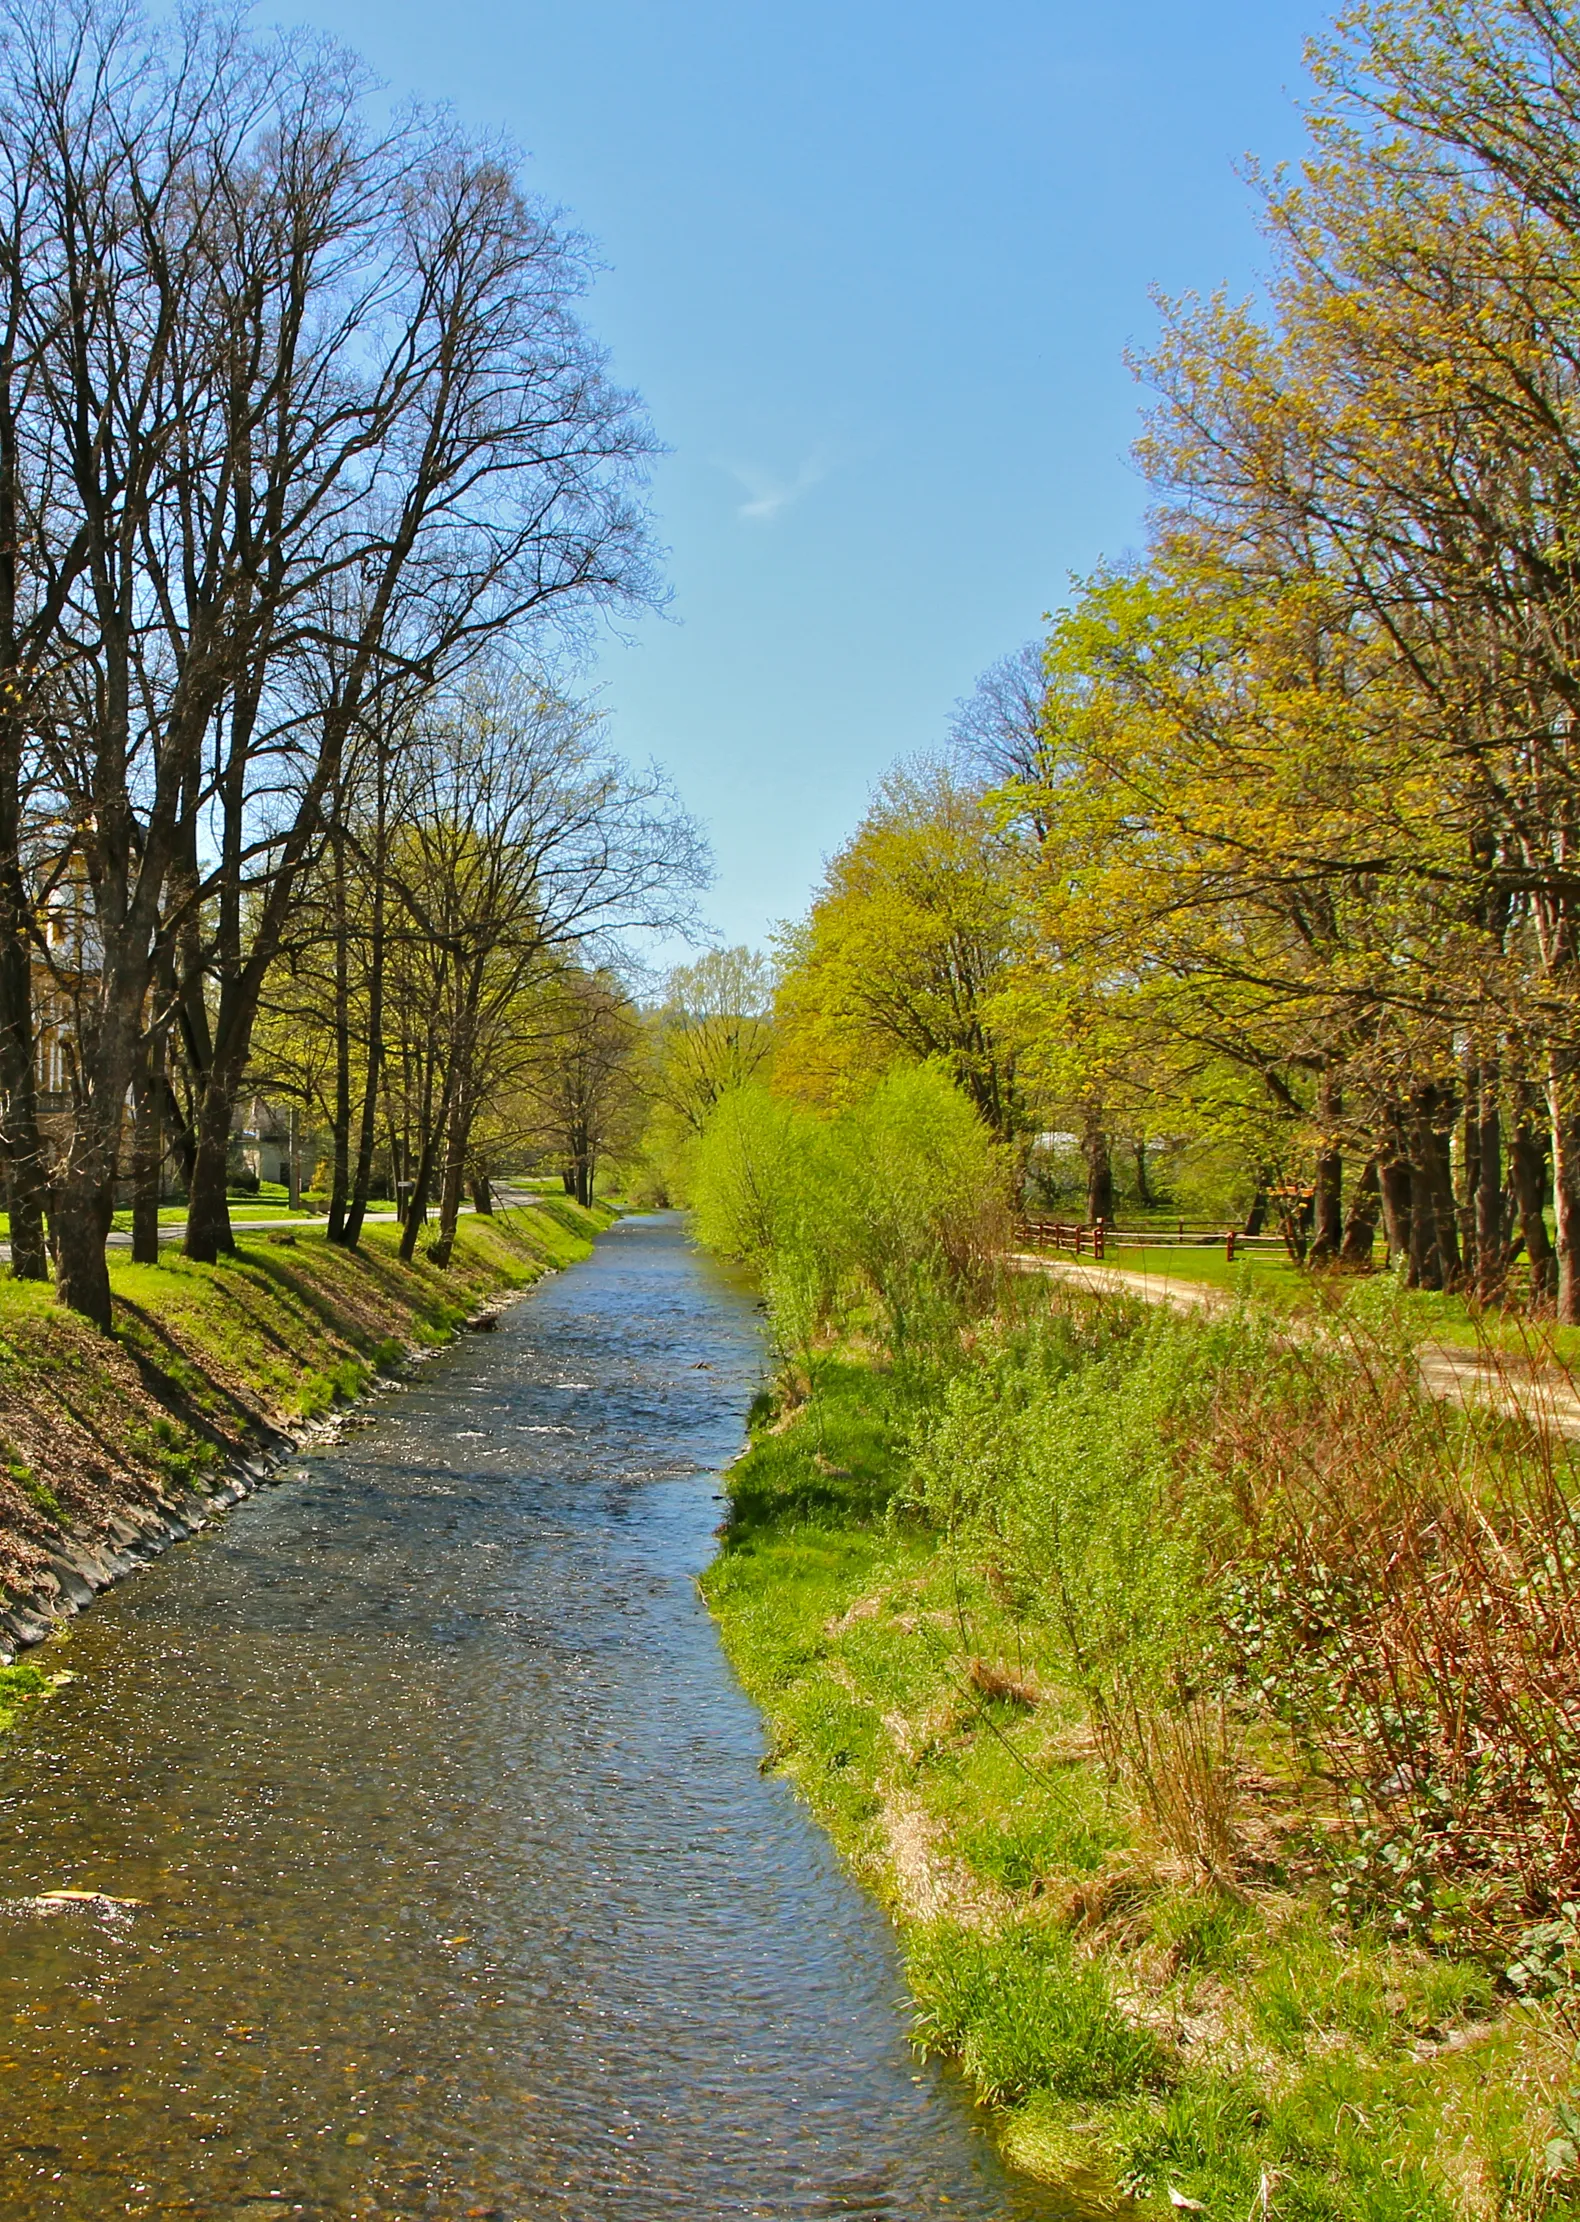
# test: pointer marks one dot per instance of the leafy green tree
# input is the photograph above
(713, 1034)
(910, 943)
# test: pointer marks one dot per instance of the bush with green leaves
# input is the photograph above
(893, 1207)
(1062, 1459)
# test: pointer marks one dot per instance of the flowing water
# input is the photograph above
(462, 1892)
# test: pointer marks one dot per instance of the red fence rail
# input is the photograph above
(1096, 1238)
(1074, 1236)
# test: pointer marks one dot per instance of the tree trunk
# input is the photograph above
(1393, 1177)
(208, 1214)
(1327, 1206)
(453, 1187)
(1327, 1233)
(19, 1135)
(27, 1176)
(1360, 1229)
(208, 1208)
(1492, 1261)
(82, 1200)
(1294, 1224)
(208, 1211)
(435, 1132)
(482, 1195)
(373, 1079)
(83, 1205)
(293, 1161)
(1470, 1168)
(1528, 1179)
(340, 1117)
(1434, 1234)
(1144, 1195)
(1099, 1171)
(148, 1151)
(417, 1205)
(1563, 1098)
(174, 1121)
(582, 1163)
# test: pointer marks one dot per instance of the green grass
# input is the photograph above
(1270, 1272)
(295, 1325)
(243, 1210)
(1140, 2039)
(19, 1683)
(1272, 1276)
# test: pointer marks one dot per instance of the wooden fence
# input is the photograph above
(1077, 1238)
(1095, 1239)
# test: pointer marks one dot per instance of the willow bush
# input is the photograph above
(888, 1217)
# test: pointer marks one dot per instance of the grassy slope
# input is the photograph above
(1137, 2035)
(207, 1360)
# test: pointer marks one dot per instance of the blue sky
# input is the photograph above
(874, 267)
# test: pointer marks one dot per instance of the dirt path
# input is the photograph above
(1453, 1375)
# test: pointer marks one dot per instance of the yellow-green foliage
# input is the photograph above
(897, 1201)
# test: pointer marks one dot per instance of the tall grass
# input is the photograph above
(1260, 1549)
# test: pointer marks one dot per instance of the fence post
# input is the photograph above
(1097, 1241)
(1228, 1248)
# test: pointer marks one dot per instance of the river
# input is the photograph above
(462, 1892)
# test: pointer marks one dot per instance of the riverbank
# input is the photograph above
(433, 1872)
(1285, 2025)
(112, 1448)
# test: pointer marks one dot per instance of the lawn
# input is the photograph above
(1273, 1275)
(207, 1360)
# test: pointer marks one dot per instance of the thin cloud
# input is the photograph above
(769, 494)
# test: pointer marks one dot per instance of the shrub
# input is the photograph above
(895, 1205)
(1223, 1524)
(1057, 1457)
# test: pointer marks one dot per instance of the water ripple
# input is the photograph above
(461, 1894)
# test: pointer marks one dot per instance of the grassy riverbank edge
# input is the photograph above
(1151, 2045)
(110, 1448)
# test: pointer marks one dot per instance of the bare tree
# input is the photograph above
(997, 728)
(291, 412)
(528, 843)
